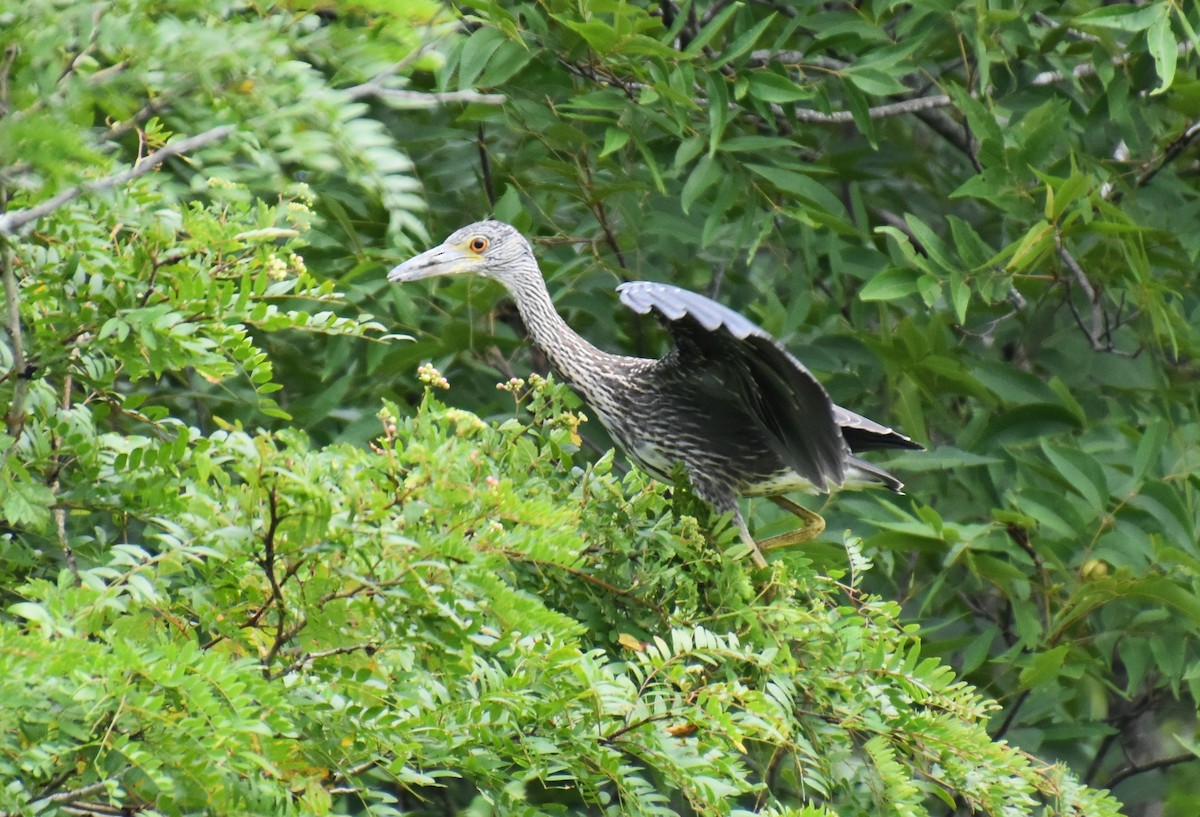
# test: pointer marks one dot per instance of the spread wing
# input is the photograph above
(863, 434)
(787, 400)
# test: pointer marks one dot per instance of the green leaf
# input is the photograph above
(711, 29)
(706, 172)
(767, 86)
(1163, 48)
(1045, 667)
(505, 63)
(1123, 17)
(600, 36)
(969, 245)
(890, 284)
(32, 612)
(614, 140)
(747, 40)
(803, 187)
(1149, 449)
(960, 297)
(26, 504)
(476, 51)
(874, 81)
(1081, 473)
(1027, 423)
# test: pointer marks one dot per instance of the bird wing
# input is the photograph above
(788, 401)
(863, 434)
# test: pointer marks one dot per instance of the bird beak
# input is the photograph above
(444, 259)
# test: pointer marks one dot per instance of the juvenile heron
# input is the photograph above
(728, 403)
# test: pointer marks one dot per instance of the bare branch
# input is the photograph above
(72, 66)
(402, 98)
(307, 658)
(588, 72)
(67, 797)
(1096, 331)
(14, 220)
(485, 167)
(151, 108)
(920, 103)
(1172, 152)
(957, 134)
(1131, 769)
(14, 417)
(10, 56)
(766, 56)
(1089, 69)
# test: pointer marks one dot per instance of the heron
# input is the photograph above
(728, 403)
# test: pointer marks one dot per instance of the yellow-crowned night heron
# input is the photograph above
(728, 403)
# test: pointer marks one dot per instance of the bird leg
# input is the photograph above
(812, 527)
(755, 553)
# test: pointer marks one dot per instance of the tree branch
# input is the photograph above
(1131, 769)
(421, 99)
(376, 87)
(66, 797)
(1172, 152)
(14, 220)
(1099, 334)
(10, 56)
(14, 418)
(485, 168)
(920, 103)
(1089, 69)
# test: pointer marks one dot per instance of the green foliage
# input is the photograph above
(232, 584)
(303, 626)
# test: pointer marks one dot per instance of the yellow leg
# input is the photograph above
(812, 527)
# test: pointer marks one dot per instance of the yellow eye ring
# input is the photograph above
(478, 244)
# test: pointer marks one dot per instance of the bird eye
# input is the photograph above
(478, 244)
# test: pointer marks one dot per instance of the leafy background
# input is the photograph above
(255, 562)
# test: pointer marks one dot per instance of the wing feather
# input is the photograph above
(789, 402)
(863, 434)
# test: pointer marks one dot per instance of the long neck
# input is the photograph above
(573, 358)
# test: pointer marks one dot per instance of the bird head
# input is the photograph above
(491, 249)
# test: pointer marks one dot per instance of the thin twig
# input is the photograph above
(766, 56)
(1098, 335)
(143, 114)
(422, 99)
(1089, 69)
(1131, 769)
(87, 49)
(307, 658)
(14, 418)
(485, 168)
(1094, 767)
(376, 87)
(10, 56)
(957, 134)
(920, 103)
(14, 220)
(74, 794)
(1011, 716)
(1172, 152)
(587, 577)
(60, 512)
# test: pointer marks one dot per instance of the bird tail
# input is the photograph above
(861, 473)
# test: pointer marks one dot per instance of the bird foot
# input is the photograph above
(813, 525)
